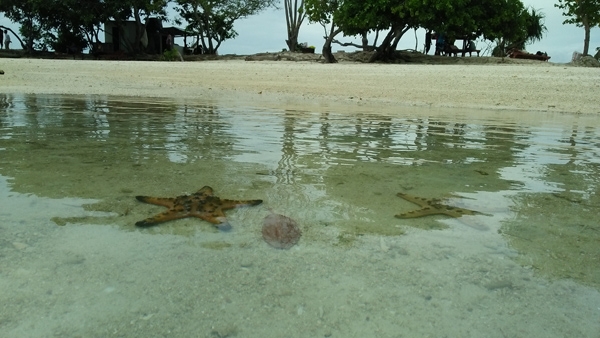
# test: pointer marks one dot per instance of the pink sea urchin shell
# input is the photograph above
(280, 232)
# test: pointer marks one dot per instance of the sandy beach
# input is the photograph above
(524, 86)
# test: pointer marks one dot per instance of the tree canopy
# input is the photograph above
(212, 21)
(500, 20)
(59, 24)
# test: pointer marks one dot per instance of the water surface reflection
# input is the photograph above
(79, 162)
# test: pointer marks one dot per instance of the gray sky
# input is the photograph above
(266, 32)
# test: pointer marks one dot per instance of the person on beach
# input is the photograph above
(440, 44)
(6, 39)
(1, 38)
(169, 42)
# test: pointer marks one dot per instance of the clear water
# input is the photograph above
(72, 263)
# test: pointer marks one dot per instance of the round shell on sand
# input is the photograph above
(280, 232)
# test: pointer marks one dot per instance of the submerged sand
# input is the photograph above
(493, 83)
(93, 280)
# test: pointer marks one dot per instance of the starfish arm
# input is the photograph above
(165, 202)
(230, 204)
(162, 217)
(422, 202)
(457, 212)
(205, 191)
(217, 218)
(416, 214)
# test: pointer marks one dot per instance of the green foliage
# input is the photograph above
(578, 11)
(62, 23)
(212, 21)
(321, 11)
(499, 20)
(170, 55)
(67, 41)
(583, 13)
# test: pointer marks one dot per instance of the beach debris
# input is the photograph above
(280, 231)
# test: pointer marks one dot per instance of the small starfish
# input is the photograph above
(432, 206)
(202, 204)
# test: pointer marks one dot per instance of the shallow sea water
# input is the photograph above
(72, 263)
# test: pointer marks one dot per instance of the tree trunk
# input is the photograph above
(386, 50)
(140, 30)
(327, 54)
(365, 42)
(29, 46)
(293, 19)
(586, 39)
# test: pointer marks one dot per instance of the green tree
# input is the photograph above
(456, 18)
(60, 24)
(27, 13)
(582, 13)
(212, 20)
(391, 16)
(323, 12)
(294, 16)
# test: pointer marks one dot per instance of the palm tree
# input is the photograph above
(535, 27)
(532, 29)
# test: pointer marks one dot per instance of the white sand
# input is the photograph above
(534, 86)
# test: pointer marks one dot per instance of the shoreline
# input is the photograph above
(539, 86)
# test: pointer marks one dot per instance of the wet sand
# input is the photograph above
(531, 86)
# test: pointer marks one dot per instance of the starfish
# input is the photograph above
(432, 206)
(202, 204)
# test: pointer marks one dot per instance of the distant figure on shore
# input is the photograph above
(169, 42)
(471, 47)
(1, 38)
(440, 44)
(427, 41)
(6, 39)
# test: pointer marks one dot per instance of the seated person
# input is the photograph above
(471, 46)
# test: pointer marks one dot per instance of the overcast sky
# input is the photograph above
(266, 32)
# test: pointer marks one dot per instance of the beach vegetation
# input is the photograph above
(212, 21)
(582, 13)
(323, 12)
(294, 16)
(170, 55)
(76, 24)
(506, 21)
(529, 27)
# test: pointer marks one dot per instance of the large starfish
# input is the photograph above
(202, 204)
(432, 206)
